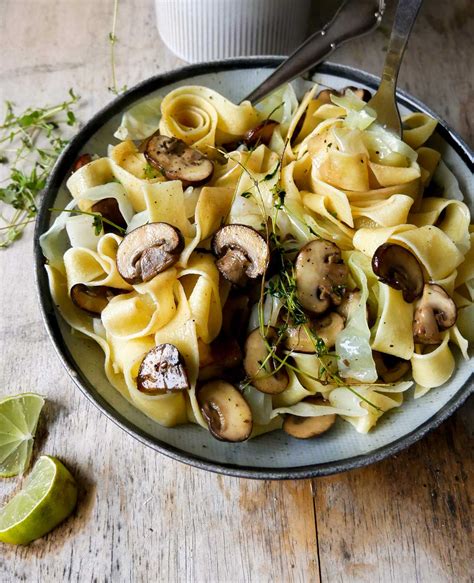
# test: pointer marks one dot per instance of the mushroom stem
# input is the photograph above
(435, 313)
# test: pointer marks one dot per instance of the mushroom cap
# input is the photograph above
(109, 209)
(435, 313)
(147, 251)
(306, 427)
(177, 160)
(242, 253)
(360, 92)
(399, 268)
(320, 275)
(225, 410)
(83, 160)
(390, 368)
(326, 328)
(264, 378)
(261, 134)
(162, 371)
(93, 299)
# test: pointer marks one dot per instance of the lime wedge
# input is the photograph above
(47, 498)
(18, 419)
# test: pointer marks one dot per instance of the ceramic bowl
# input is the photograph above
(274, 455)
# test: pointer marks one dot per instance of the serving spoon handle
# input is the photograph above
(350, 21)
(384, 101)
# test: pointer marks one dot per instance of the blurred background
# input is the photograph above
(64, 43)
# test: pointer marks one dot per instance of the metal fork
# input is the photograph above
(384, 101)
(350, 21)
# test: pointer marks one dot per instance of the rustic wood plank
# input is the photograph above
(405, 519)
(142, 516)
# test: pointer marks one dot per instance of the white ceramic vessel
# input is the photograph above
(206, 30)
(274, 455)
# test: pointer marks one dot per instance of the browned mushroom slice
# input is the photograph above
(83, 160)
(390, 368)
(110, 210)
(435, 313)
(242, 253)
(93, 299)
(326, 328)
(226, 412)
(215, 359)
(147, 251)
(262, 134)
(178, 161)
(235, 315)
(399, 268)
(306, 427)
(260, 367)
(320, 276)
(162, 371)
(325, 95)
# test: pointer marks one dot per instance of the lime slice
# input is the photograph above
(18, 419)
(47, 498)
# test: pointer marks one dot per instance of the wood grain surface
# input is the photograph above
(143, 517)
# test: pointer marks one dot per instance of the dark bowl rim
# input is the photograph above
(60, 170)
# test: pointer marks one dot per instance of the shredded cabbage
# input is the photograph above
(260, 404)
(353, 342)
(281, 105)
(140, 121)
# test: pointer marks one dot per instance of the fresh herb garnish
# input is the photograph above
(113, 40)
(30, 142)
(150, 171)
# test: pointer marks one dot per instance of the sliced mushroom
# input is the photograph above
(162, 371)
(178, 161)
(349, 303)
(242, 253)
(306, 427)
(399, 268)
(435, 313)
(83, 160)
(93, 299)
(260, 367)
(325, 95)
(320, 276)
(390, 368)
(147, 251)
(235, 316)
(226, 412)
(109, 209)
(217, 358)
(262, 134)
(326, 328)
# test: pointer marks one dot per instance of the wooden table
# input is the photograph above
(144, 517)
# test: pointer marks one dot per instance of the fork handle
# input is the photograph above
(405, 17)
(349, 22)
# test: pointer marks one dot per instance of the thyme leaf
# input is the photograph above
(33, 140)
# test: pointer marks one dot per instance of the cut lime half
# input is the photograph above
(18, 419)
(47, 498)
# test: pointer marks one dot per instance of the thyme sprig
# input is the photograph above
(30, 143)
(113, 41)
(283, 287)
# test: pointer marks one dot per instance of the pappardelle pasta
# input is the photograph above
(250, 269)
